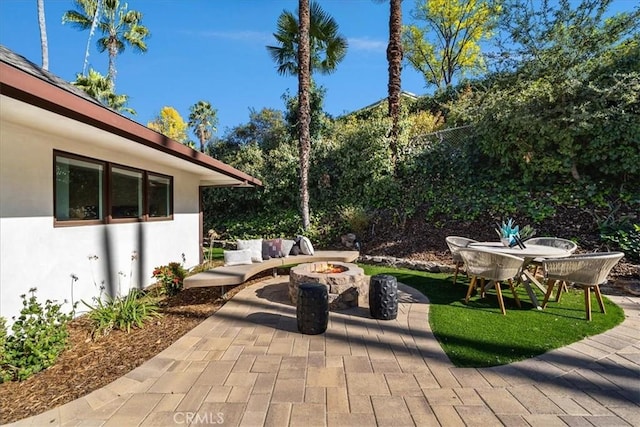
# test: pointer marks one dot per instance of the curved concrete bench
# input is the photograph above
(237, 274)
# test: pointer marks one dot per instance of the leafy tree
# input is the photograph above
(101, 88)
(327, 47)
(304, 112)
(558, 38)
(319, 119)
(42, 23)
(119, 26)
(171, 124)
(571, 110)
(449, 44)
(266, 128)
(203, 120)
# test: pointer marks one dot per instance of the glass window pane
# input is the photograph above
(159, 196)
(79, 186)
(126, 193)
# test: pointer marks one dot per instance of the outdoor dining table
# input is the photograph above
(528, 253)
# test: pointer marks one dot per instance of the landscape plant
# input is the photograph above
(171, 277)
(121, 313)
(625, 237)
(39, 334)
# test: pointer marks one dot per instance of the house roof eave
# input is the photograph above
(24, 86)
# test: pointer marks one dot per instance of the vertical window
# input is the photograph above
(126, 193)
(159, 196)
(79, 190)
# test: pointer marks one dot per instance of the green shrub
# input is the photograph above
(625, 238)
(121, 313)
(356, 218)
(39, 336)
(171, 277)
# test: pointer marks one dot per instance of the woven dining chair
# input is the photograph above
(585, 270)
(554, 242)
(455, 243)
(492, 266)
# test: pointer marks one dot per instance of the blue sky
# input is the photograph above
(214, 50)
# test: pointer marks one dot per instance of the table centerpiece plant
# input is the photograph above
(511, 234)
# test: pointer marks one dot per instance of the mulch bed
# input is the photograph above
(89, 364)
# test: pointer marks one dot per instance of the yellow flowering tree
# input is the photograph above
(449, 43)
(171, 124)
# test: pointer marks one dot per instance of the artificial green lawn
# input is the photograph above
(478, 335)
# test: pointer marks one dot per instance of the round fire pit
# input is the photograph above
(346, 283)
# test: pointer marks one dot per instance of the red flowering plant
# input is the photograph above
(170, 277)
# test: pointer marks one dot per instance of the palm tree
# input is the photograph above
(120, 27)
(100, 88)
(43, 35)
(304, 112)
(307, 43)
(327, 47)
(394, 58)
(203, 120)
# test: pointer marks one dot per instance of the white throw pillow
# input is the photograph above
(239, 257)
(255, 246)
(305, 246)
(287, 245)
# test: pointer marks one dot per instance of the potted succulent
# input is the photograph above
(511, 234)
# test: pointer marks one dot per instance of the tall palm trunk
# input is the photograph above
(394, 57)
(92, 30)
(111, 74)
(43, 35)
(304, 113)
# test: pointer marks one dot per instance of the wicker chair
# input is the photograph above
(456, 243)
(586, 270)
(491, 266)
(555, 242)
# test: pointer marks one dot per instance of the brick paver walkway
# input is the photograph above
(247, 365)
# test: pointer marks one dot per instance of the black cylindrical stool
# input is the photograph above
(312, 310)
(383, 297)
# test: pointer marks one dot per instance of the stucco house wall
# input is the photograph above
(40, 115)
(37, 254)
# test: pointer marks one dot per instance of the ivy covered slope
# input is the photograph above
(555, 130)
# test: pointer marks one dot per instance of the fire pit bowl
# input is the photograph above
(346, 283)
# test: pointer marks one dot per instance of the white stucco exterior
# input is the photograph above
(34, 253)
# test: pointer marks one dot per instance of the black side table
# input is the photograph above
(312, 310)
(383, 297)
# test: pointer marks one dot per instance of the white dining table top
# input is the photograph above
(530, 251)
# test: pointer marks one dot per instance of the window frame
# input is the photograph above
(148, 217)
(76, 222)
(110, 196)
(106, 196)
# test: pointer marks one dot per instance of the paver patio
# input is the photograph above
(247, 365)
